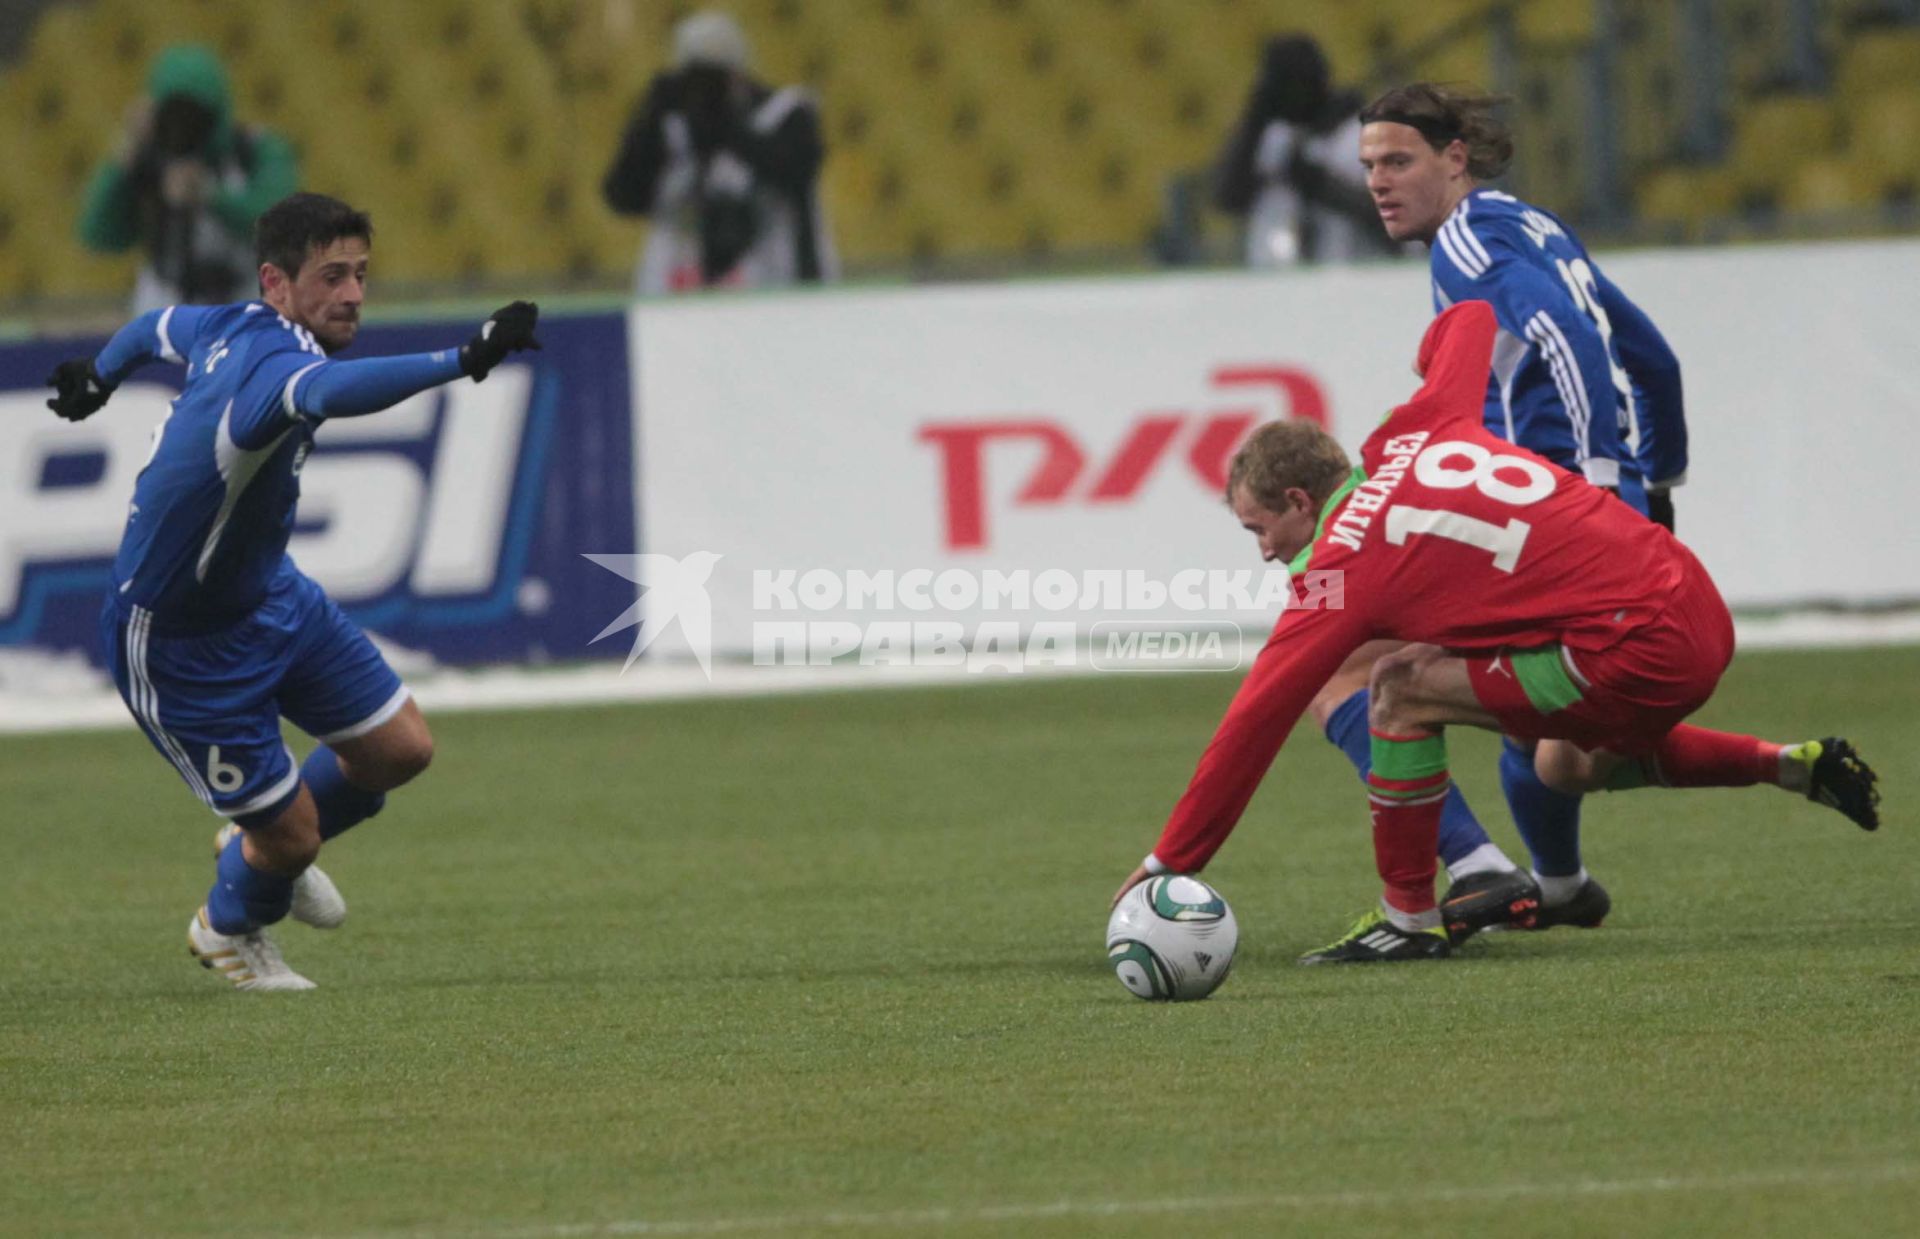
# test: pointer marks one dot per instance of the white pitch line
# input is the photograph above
(1303, 1202)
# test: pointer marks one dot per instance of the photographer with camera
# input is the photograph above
(186, 185)
(1291, 168)
(727, 169)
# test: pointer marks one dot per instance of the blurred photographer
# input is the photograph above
(186, 185)
(1291, 168)
(727, 169)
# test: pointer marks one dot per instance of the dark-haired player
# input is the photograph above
(212, 633)
(1540, 607)
(1580, 375)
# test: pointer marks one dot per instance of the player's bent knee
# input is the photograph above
(410, 753)
(413, 760)
(1387, 694)
(1565, 768)
(395, 754)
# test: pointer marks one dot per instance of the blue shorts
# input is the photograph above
(212, 704)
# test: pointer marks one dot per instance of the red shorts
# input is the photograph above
(1630, 695)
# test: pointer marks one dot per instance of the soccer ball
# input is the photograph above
(1171, 939)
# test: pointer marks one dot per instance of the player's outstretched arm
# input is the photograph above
(1306, 648)
(509, 330)
(79, 391)
(83, 385)
(355, 388)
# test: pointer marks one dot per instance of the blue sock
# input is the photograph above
(1460, 831)
(1547, 820)
(243, 898)
(341, 804)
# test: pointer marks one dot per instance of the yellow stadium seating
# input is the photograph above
(1687, 196)
(1880, 61)
(1555, 21)
(1886, 138)
(1776, 133)
(478, 131)
(1825, 186)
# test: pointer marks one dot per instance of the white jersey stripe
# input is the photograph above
(286, 397)
(1469, 243)
(237, 467)
(1446, 244)
(1575, 381)
(1545, 334)
(1457, 250)
(1548, 352)
(173, 746)
(1509, 351)
(167, 351)
(1568, 400)
(1466, 245)
(146, 702)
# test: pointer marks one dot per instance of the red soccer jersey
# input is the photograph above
(1452, 537)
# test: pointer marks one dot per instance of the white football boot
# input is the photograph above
(250, 961)
(316, 900)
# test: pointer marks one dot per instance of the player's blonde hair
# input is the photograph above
(1445, 115)
(1282, 455)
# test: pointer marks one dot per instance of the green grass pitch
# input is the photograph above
(833, 965)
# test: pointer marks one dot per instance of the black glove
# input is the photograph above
(510, 330)
(82, 392)
(1660, 508)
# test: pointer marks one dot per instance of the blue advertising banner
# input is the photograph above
(454, 523)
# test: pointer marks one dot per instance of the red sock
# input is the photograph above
(1406, 834)
(1696, 757)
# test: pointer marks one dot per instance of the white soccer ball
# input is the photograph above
(1171, 939)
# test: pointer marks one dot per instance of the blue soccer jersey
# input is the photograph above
(213, 636)
(1580, 374)
(214, 506)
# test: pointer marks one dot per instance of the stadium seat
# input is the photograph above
(1649, 72)
(956, 126)
(1775, 132)
(1686, 197)
(1886, 138)
(1555, 21)
(1877, 62)
(1828, 186)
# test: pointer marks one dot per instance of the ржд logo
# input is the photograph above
(1209, 437)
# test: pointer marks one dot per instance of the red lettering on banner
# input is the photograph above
(962, 447)
(1302, 395)
(1213, 450)
(1136, 458)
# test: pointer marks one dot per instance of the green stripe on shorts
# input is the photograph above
(1544, 679)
